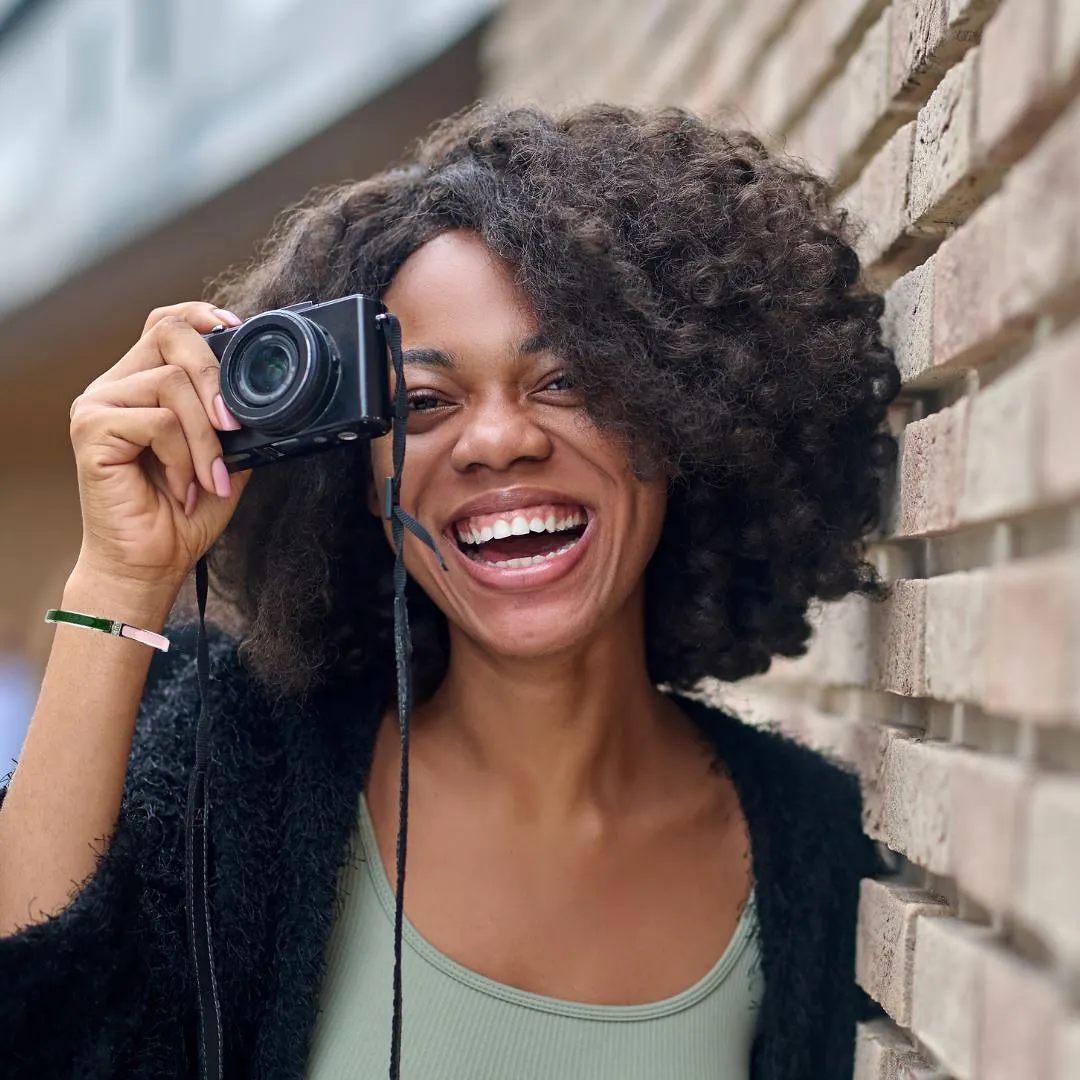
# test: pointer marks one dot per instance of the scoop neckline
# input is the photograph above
(668, 1006)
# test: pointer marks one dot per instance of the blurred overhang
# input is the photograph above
(53, 345)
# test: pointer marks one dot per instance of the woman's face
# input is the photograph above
(544, 527)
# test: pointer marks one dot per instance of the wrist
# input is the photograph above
(109, 596)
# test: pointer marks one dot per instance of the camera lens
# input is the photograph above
(266, 367)
(278, 372)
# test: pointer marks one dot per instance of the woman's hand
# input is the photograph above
(154, 490)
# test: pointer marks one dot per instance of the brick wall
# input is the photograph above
(952, 130)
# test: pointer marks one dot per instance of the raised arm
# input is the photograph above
(155, 495)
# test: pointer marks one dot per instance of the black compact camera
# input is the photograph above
(303, 379)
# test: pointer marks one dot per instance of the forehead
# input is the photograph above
(454, 293)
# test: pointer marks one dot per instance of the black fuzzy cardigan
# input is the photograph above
(104, 989)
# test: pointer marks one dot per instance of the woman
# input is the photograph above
(646, 394)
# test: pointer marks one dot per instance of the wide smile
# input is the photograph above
(523, 548)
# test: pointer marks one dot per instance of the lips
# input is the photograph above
(519, 574)
(523, 537)
(520, 538)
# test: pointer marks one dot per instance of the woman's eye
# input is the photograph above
(565, 392)
(561, 381)
(422, 401)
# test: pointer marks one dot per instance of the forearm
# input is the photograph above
(64, 799)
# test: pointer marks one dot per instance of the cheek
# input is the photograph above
(644, 501)
(382, 457)
(649, 512)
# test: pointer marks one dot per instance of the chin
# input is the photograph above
(532, 634)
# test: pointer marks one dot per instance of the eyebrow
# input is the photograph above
(437, 358)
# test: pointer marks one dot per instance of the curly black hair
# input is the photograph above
(706, 300)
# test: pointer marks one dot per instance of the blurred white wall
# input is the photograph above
(118, 115)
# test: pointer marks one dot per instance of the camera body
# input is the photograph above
(303, 379)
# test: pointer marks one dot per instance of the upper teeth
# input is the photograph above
(470, 532)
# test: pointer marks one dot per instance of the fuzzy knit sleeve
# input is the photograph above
(816, 869)
(809, 854)
(96, 990)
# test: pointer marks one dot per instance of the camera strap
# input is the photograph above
(196, 852)
(400, 520)
(196, 859)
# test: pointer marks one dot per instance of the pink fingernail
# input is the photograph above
(227, 317)
(192, 498)
(225, 418)
(222, 483)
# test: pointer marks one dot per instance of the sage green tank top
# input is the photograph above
(459, 1025)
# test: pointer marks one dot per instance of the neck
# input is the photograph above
(560, 735)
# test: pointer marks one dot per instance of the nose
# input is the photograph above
(498, 434)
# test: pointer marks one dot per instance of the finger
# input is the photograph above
(175, 341)
(105, 437)
(202, 316)
(168, 387)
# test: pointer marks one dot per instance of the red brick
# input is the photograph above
(678, 65)
(877, 200)
(793, 68)
(847, 21)
(1015, 77)
(877, 1045)
(1059, 450)
(1022, 1015)
(970, 277)
(625, 52)
(956, 636)
(836, 737)
(950, 958)
(1066, 42)
(967, 17)
(739, 45)
(882, 1052)
(517, 26)
(810, 51)
(1050, 872)
(907, 794)
(1033, 638)
(1068, 1052)
(932, 471)
(885, 942)
(767, 704)
(816, 138)
(897, 627)
(947, 179)
(908, 323)
(1042, 252)
(840, 650)
(854, 112)
(918, 27)
(766, 701)
(526, 47)
(987, 802)
(869, 107)
(925, 43)
(1001, 466)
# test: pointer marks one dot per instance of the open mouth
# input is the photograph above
(528, 536)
